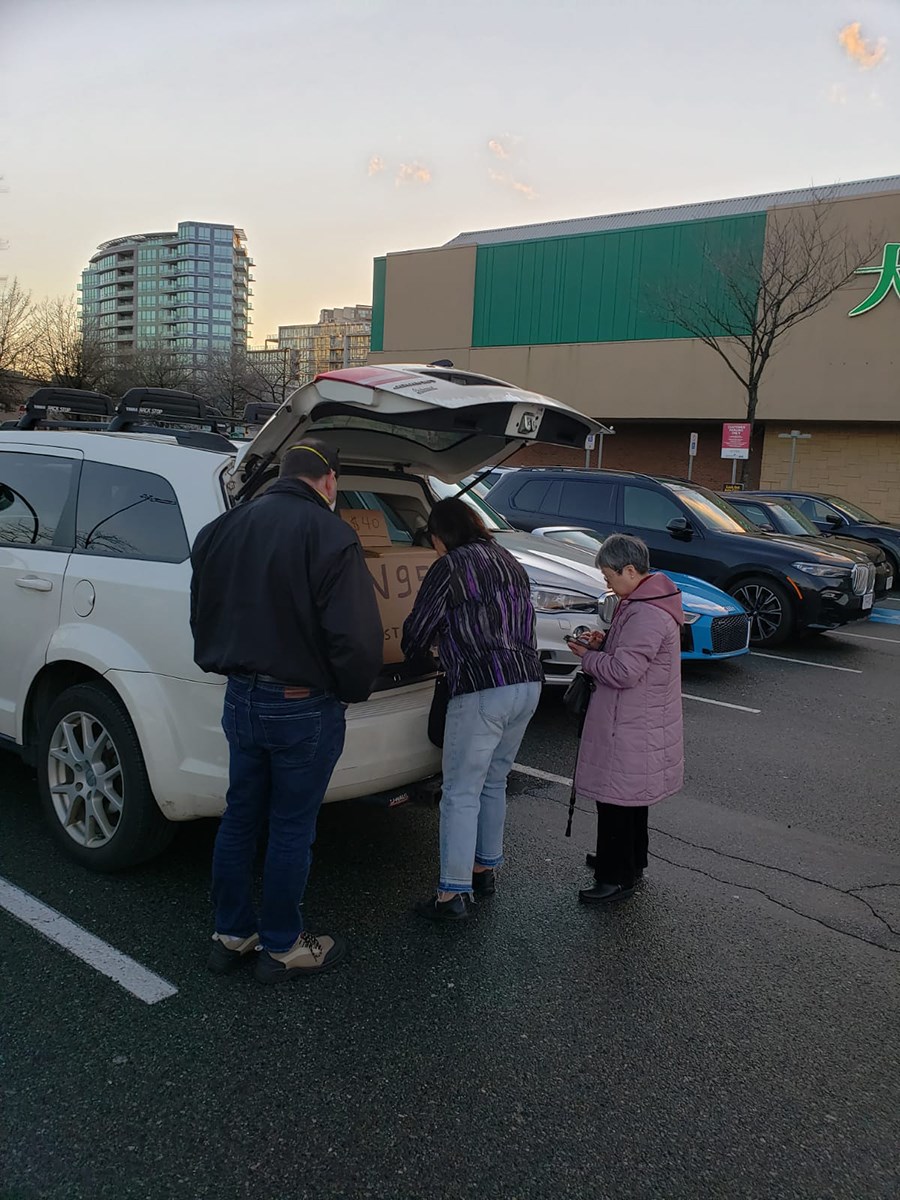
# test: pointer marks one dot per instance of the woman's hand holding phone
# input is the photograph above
(591, 641)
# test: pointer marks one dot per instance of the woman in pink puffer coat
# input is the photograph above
(632, 748)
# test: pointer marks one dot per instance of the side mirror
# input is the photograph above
(767, 527)
(7, 499)
(680, 527)
(834, 520)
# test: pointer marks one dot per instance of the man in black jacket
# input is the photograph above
(281, 603)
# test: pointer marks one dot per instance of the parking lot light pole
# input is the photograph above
(796, 436)
(600, 437)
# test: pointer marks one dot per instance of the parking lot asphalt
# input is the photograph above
(731, 1032)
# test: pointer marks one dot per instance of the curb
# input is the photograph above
(885, 616)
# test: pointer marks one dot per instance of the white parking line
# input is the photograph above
(868, 637)
(721, 704)
(804, 662)
(96, 953)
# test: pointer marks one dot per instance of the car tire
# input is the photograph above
(772, 615)
(93, 782)
(894, 565)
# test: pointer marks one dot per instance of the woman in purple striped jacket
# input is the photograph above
(475, 606)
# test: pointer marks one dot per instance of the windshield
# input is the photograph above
(473, 497)
(712, 511)
(582, 538)
(793, 521)
(854, 511)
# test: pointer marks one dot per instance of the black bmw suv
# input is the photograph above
(787, 585)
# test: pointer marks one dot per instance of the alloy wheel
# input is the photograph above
(87, 786)
(765, 608)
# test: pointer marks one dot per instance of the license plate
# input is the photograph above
(868, 600)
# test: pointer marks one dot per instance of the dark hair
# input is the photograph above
(457, 524)
(310, 458)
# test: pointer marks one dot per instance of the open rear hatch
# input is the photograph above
(425, 420)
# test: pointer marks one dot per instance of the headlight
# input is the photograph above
(823, 570)
(691, 618)
(547, 600)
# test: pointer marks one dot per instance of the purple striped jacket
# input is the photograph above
(475, 605)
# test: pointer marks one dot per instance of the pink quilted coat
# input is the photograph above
(632, 747)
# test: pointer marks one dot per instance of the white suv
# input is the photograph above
(98, 687)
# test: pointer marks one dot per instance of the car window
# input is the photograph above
(793, 520)
(128, 514)
(647, 509)
(854, 511)
(33, 493)
(530, 496)
(474, 497)
(816, 510)
(712, 511)
(755, 513)
(588, 500)
(580, 538)
(399, 527)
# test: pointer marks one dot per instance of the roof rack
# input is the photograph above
(259, 412)
(70, 403)
(167, 411)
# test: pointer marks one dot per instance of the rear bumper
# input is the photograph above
(178, 723)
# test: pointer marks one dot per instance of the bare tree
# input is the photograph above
(16, 332)
(66, 352)
(227, 382)
(153, 366)
(750, 305)
(272, 375)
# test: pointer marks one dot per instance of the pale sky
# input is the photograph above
(335, 130)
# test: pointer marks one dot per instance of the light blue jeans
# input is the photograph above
(481, 740)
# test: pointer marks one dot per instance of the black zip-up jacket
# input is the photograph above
(280, 587)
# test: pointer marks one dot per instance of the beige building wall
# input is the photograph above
(860, 463)
(428, 301)
(832, 367)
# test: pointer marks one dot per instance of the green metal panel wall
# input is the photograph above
(607, 287)
(379, 273)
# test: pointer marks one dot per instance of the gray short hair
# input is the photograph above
(621, 550)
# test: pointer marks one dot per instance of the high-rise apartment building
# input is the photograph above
(187, 291)
(340, 338)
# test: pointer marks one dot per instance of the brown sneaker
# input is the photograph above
(309, 955)
(229, 952)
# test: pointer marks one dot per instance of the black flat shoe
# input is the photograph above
(484, 883)
(433, 909)
(605, 893)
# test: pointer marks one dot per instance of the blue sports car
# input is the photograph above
(569, 591)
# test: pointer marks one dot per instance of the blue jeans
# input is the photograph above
(282, 755)
(481, 740)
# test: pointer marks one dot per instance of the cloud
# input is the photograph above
(502, 179)
(498, 149)
(865, 54)
(376, 164)
(837, 94)
(412, 173)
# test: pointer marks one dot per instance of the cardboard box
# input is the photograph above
(397, 572)
(370, 525)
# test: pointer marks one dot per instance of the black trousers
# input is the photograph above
(621, 843)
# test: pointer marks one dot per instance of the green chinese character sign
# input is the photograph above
(888, 279)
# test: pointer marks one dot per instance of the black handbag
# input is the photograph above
(437, 717)
(577, 695)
